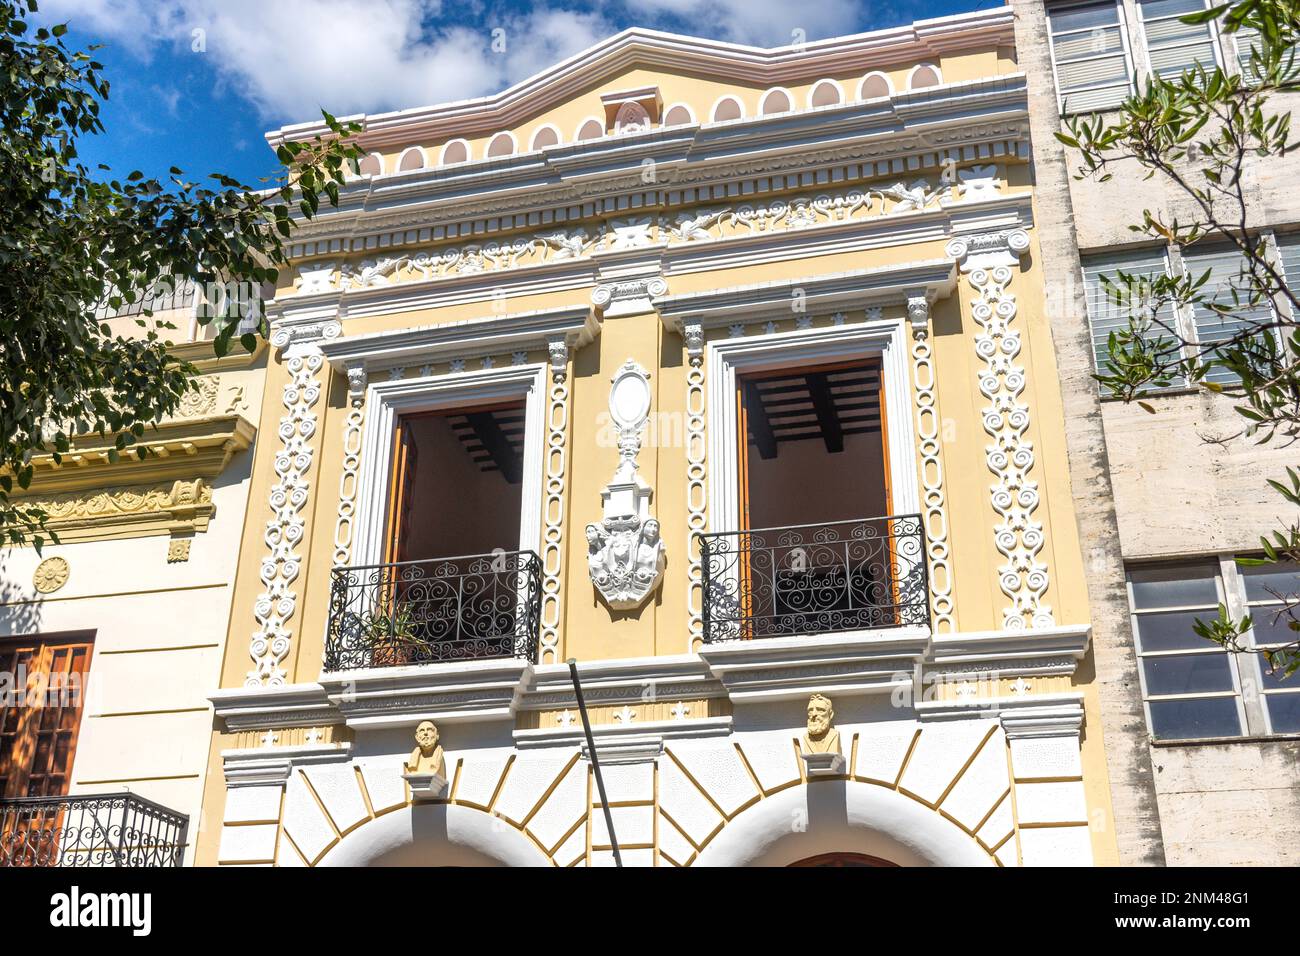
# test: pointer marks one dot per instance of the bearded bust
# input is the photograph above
(821, 737)
(427, 756)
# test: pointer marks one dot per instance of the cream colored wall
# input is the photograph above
(159, 634)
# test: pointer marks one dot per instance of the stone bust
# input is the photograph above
(427, 756)
(821, 737)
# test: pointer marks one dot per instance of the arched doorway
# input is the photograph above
(435, 834)
(841, 859)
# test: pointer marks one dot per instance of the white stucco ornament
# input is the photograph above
(625, 551)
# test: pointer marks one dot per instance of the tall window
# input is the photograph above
(1192, 689)
(1199, 324)
(1225, 265)
(1107, 314)
(40, 713)
(1172, 45)
(1090, 54)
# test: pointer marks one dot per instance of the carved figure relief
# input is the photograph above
(625, 551)
(821, 737)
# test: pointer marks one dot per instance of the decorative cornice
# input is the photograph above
(867, 662)
(524, 331)
(654, 49)
(179, 449)
(137, 511)
(843, 290)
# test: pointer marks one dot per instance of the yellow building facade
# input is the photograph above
(727, 368)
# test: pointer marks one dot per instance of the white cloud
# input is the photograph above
(289, 58)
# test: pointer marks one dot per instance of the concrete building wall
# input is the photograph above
(1174, 483)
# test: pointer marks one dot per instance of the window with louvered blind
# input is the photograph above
(1172, 45)
(1089, 52)
(1106, 314)
(1225, 267)
(1288, 251)
(1244, 40)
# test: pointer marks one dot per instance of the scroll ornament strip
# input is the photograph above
(276, 605)
(989, 261)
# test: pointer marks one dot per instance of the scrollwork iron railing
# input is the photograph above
(864, 574)
(444, 609)
(95, 830)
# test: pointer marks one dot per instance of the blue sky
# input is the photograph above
(195, 83)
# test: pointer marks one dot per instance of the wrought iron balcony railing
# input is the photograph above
(856, 575)
(443, 609)
(117, 829)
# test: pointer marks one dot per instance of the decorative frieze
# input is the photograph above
(988, 261)
(557, 453)
(697, 494)
(178, 507)
(353, 425)
(735, 220)
(928, 429)
(276, 605)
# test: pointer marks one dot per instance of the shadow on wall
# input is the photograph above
(20, 606)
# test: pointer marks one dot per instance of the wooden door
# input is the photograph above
(401, 482)
(39, 723)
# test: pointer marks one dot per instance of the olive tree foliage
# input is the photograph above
(1200, 133)
(77, 244)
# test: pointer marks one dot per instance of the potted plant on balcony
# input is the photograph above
(392, 635)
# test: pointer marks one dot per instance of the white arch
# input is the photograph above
(738, 109)
(590, 128)
(435, 834)
(766, 105)
(455, 151)
(372, 165)
(678, 108)
(539, 143)
(842, 816)
(918, 83)
(502, 144)
(825, 93)
(869, 88)
(418, 153)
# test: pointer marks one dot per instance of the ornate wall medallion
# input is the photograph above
(50, 575)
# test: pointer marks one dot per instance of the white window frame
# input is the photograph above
(1135, 615)
(1122, 27)
(726, 358)
(1241, 607)
(386, 401)
(1246, 668)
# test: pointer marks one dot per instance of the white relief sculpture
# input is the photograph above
(370, 272)
(629, 233)
(625, 551)
(557, 429)
(695, 224)
(567, 245)
(632, 118)
(933, 503)
(987, 260)
(315, 277)
(978, 182)
(906, 198)
(276, 605)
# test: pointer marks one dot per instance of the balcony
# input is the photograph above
(841, 576)
(98, 830)
(444, 609)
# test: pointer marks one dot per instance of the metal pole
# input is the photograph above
(595, 761)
